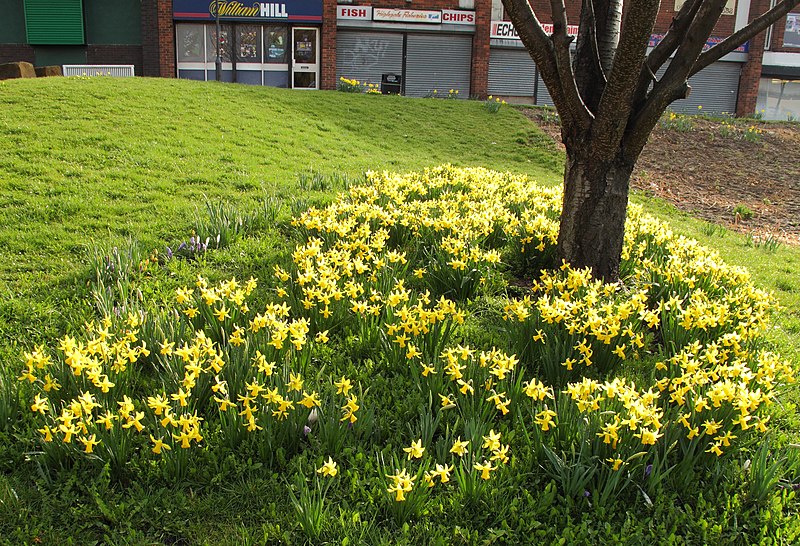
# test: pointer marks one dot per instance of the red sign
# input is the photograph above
(363, 13)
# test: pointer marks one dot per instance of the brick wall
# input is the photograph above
(116, 54)
(479, 79)
(328, 48)
(166, 39)
(158, 39)
(724, 26)
(10, 53)
(667, 13)
(751, 70)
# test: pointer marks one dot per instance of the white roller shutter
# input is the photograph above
(365, 56)
(714, 88)
(438, 61)
(512, 73)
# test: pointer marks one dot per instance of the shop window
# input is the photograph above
(778, 99)
(275, 40)
(791, 36)
(190, 43)
(305, 46)
(248, 43)
(497, 10)
(224, 43)
(729, 9)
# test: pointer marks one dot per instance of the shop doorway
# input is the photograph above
(305, 58)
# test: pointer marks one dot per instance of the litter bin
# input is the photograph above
(391, 84)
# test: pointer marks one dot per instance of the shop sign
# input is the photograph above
(406, 15)
(207, 10)
(655, 39)
(505, 30)
(359, 13)
(458, 17)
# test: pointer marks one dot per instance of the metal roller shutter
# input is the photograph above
(543, 97)
(714, 88)
(440, 62)
(364, 56)
(512, 73)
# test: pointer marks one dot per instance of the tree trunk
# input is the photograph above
(594, 209)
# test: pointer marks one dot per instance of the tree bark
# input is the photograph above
(608, 107)
(595, 203)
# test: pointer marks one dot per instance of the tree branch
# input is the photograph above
(742, 35)
(616, 105)
(693, 42)
(674, 36)
(673, 84)
(608, 32)
(542, 51)
(561, 40)
(589, 75)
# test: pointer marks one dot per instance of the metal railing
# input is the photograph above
(113, 70)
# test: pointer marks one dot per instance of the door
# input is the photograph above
(305, 58)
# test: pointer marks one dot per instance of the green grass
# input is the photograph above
(88, 163)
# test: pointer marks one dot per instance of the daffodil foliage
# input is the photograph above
(662, 372)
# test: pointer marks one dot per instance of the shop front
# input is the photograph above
(260, 43)
(512, 72)
(421, 52)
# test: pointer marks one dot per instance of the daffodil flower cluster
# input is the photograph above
(698, 296)
(716, 391)
(449, 222)
(467, 464)
(573, 320)
(388, 264)
(475, 383)
(242, 367)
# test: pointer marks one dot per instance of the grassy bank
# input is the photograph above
(104, 183)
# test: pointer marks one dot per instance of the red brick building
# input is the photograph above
(464, 48)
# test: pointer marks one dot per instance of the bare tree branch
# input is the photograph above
(542, 50)
(666, 47)
(673, 84)
(742, 35)
(615, 105)
(694, 40)
(608, 32)
(674, 36)
(589, 75)
(561, 40)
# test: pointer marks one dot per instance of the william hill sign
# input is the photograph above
(207, 10)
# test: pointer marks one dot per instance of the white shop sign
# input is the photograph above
(406, 15)
(506, 30)
(458, 17)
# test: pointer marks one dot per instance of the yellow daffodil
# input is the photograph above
(328, 469)
(416, 450)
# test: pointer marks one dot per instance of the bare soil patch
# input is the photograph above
(709, 172)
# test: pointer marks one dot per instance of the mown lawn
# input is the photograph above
(102, 181)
